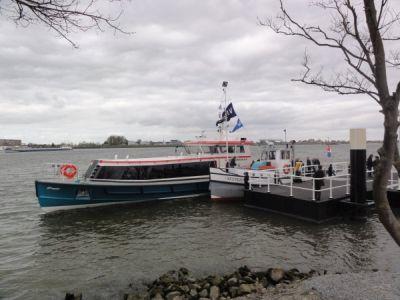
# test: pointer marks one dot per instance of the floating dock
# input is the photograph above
(348, 193)
(301, 204)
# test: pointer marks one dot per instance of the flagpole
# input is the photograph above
(224, 86)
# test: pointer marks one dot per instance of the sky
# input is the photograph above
(164, 81)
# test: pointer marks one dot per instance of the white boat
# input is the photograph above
(230, 183)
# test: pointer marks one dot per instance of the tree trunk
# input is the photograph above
(383, 169)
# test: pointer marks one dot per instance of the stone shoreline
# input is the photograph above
(182, 285)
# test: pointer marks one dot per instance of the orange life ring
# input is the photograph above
(286, 168)
(69, 170)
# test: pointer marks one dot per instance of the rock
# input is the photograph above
(216, 280)
(204, 298)
(232, 281)
(185, 289)
(193, 293)
(245, 289)
(69, 296)
(206, 286)
(134, 297)
(264, 281)
(248, 279)
(174, 296)
(214, 292)
(195, 286)
(166, 279)
(203, 293)
(233, 291)
(276, 275)
(244, 271)
(155, 290)
(158, 297)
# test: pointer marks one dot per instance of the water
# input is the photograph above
(101, 251)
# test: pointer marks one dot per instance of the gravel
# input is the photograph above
(356, 286)
(351, 286)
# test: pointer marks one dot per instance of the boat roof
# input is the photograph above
(219, 142)
(166, 160)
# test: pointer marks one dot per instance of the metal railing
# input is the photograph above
(271, 178)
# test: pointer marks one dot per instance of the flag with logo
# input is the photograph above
(229, 113)
(238, 125)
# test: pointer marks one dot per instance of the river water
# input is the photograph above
(100, 251)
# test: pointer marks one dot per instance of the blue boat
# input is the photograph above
(125, 181)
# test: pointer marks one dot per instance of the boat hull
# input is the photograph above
(55, 195)
(226, 186)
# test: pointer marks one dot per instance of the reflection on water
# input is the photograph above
(100, 251)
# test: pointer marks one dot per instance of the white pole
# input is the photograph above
(347, 184)
(268, 190)
(291, 185)
(313, 189)
(226, 124)
(330, 188)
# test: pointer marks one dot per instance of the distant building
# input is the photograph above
(9, 142)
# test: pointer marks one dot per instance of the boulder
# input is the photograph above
(233, 291)
(69, 296)
(244, 271)
(174, 296)
(232, 281)
(203, 293)
(216, 280)
(276, 275)
(214, 292)
(193, 293)
(157, 297)
(185, 289)
(245, 289)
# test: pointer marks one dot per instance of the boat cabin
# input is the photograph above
(273, 158)
(222, 150)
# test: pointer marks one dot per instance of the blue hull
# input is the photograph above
(56, 195)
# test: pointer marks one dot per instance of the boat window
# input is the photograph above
(213, 149)
(153, 172)
(271, 155)
(231, 149)
(222, 149)
(240, 149)
(285, 154)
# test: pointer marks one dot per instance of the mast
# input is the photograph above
(224, 86)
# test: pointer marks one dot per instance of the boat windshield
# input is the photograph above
(153, 172)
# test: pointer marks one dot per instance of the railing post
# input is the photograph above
(313, 189)
(268, 189)
(259, 180)
(391, 178)
(347, 184)
(330, 188)
(291, 185)
(398, 181)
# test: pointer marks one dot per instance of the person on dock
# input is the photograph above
(370, 164)
(330, 171)
(308, 168)
(319, 182)
(233, 162)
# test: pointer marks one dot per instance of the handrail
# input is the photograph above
(265, 180)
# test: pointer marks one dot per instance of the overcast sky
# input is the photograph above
(164, 81)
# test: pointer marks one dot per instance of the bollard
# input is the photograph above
(358, 152)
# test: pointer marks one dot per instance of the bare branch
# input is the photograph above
(64, 16)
